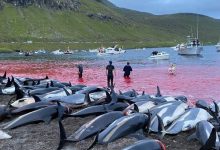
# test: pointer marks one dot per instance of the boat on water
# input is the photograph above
(40, 51)
(68, 51)
(28, 54)
(176, 48)
(110, 50)
(218, 46)
(191, 47)
(57, 52)
(159, 55)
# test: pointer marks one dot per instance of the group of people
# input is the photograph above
(110, 72)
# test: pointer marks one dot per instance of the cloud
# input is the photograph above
(158, 7)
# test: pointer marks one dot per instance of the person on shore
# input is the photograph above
(127, 70)
(80, 70)
(172, 69)
(109, 73)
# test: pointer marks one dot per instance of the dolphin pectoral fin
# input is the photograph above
(94, 142)
(191, 137)
(210, 143)
(62, 135)
(47, 120)
(139, 135)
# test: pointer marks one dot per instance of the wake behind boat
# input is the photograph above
(191, 47)
(159, 55)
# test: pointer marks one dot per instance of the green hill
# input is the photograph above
(54, 24)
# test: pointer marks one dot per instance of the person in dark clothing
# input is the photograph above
(80, 71)
(109, 73)
(127, 70)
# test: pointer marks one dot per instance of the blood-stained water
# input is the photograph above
(195, 77)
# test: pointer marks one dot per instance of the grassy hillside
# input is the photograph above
(95, 21)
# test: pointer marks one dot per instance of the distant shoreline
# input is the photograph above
(50, 46)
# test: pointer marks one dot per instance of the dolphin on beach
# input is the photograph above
(43, 114)
(90, 128)
(121, 127)
(185, 122)
(147, 144)
(168, 115)
(206, 134)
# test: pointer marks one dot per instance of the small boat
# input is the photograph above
(68, 51)
(176, 48)
(218, 46)
(111, 50)
(57, 52)
(28, 54)
(191, 47)
(159, 55)
(40, 51)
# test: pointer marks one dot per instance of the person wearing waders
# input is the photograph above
(109, 73)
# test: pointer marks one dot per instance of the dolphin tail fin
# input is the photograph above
(158, 92)
(161, 129)
(60, 112)
(147, 128)
(210, 143)
(94, 142)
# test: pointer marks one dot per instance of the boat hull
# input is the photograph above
(218, 47)
(196, 50)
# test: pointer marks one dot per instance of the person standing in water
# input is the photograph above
(109, 73)
(80, 70)
(127, 70)
(172, 69)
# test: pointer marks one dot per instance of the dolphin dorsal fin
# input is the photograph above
(47, 86)
(46, 77)
(8, 84)
(4, 76)
(143, 93)
(51, 84)
(158, 92)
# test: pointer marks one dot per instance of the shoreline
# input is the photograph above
(51, 46)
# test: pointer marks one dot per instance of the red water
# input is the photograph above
(192, 81)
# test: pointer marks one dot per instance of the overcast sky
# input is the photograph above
(206, 7)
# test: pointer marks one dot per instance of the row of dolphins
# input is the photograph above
(115, 114)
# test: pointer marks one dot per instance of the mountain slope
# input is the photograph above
(96, 20)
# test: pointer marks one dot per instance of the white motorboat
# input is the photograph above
(191, 47)
(176, 48)
(57, 52)
(159, 55)
(218, 46)
(111, 50)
